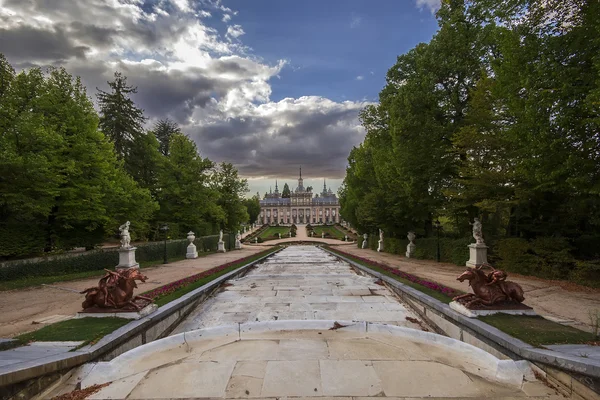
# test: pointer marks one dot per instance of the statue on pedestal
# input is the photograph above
(477, 232)
(238, 241)
(489, 290)
(410, 248)
(380, 247)
(115, 290)
(125, 238)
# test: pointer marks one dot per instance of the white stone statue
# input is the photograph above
(381, 235)
(380, 247)
(238, 241)
(125, 238)
(477, 233)
(410, 249)
(365, 242)
(221, 243)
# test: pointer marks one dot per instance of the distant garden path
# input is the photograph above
(559, 299)
(20, 308)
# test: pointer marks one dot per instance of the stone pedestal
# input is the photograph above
(238, 244)
(127, 258)
(220, 246)
(380, 247)
(191, 251)
(113, 312)
(521, 309)
(410, 250)
(477, 255)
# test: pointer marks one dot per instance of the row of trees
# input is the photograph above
(497, 117)
(69, 176)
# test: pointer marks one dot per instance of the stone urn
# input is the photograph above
(191, 249)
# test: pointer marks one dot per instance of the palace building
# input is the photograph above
(301, 207)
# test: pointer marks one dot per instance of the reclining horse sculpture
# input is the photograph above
(115, 290)
(489, 290)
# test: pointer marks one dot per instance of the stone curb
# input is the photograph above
(16, 373)
(555, 359)
(464, 356)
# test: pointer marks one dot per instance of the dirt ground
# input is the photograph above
(20, 308)
(562, 300)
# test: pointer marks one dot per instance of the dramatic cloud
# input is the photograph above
(204, 78)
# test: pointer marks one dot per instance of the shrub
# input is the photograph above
(99, 259)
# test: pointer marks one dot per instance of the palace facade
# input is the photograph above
(301, 207)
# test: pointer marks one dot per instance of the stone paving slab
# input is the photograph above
(307, 364)
(300, 283)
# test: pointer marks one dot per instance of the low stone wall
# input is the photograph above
(575, 375)
(27, 379)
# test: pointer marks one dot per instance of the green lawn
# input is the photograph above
(334, 233)
(39, 280)
(89, 330)
(273, 231)
(537, 331)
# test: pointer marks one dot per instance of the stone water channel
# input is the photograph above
(285, 330)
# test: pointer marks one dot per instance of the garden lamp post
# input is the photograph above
(438, 226)
(164, 229)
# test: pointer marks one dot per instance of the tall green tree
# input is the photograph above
(120, 119)
(164, 129)
(253, 208)
(61, 185)
(285, 193)
(231, 190)
(145, 161)
(187, 199)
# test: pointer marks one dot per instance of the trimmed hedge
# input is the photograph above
(451, 250)
(99, 259)
(548, 257)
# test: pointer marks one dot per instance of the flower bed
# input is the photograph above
(215, 272)
(417, 283)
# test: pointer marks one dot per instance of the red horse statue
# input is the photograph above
(115, 290)
(491, 289)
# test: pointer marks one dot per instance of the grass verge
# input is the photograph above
(89, 330)
(273, 231)
(536, 330)
(175, 290)
(407, 279)
(333, 232)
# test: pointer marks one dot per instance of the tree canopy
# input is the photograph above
(496, 117)
(69, 177)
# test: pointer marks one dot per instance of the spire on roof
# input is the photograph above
(301, 172)
(324, 185)
(276, 188)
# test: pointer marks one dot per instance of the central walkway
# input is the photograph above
(301, 283)
(286, 330)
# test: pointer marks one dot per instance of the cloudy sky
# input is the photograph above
(268, 85)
